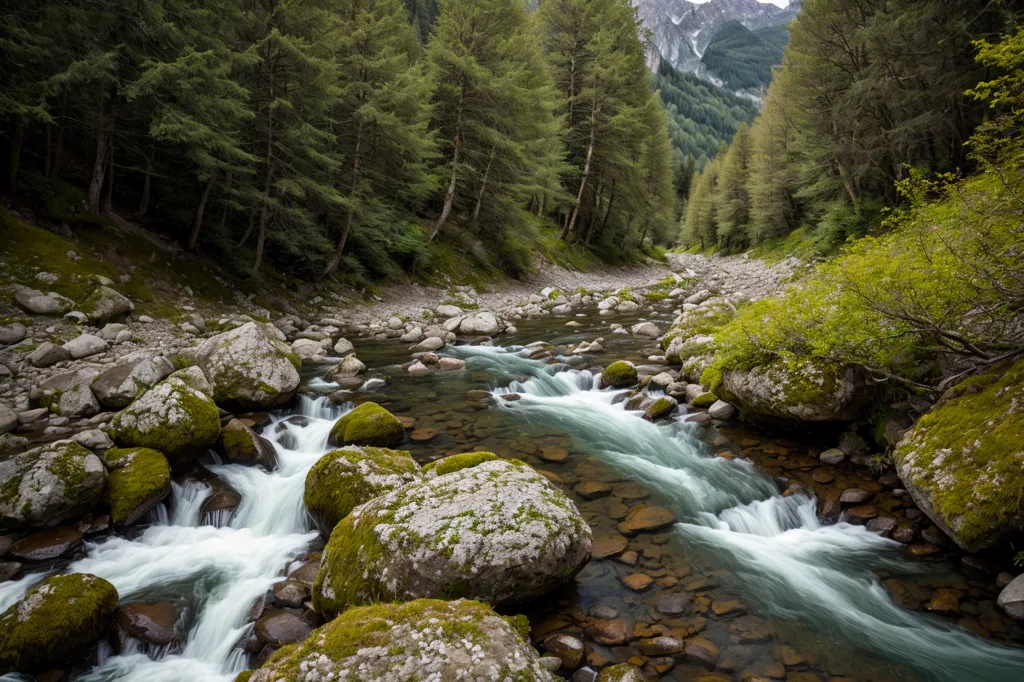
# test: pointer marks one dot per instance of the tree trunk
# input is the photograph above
(643, 235)
(260, 238)
(248, 230)
(15, 161)
(483, 186)
(265, 208)
(449, 197)
(569, 226)
(108, 196)
(98, 170)
(55, 168)
(193, 239)
(146, 188)
(339, 252)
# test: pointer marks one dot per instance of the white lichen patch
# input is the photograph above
(50, 484)
(248, 366)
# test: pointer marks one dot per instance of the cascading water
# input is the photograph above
(221, 571)
(786, 561)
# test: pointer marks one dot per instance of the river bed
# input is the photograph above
(761, 585)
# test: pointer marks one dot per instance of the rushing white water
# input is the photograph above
(787, 563)
(220, 571)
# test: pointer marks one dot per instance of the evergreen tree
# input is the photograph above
(773, 183)
(732, 200)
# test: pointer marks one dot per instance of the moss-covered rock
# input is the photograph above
(173, 417)
(426, 639)
(139, 479)
(104, 303)
(622, 672)
(251, 367)
(454, 463)
(793, 389)
(619, 375)
(704, 400)
(50, 484)
(241, 445)
(56, 621)
(496, 531)
(963, 461)
(341, 480)
(368, 424)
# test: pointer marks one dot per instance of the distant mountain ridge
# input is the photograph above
(682, 30)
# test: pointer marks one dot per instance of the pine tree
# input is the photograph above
(773, 183)
(732, 207)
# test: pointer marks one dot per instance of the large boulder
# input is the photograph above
(140, 478)
(341, 480)
(619, 375)
(1011, 598)
(251, 367)
(241, 445)
(85, 345)
(48, 354)
(482, 324)
(105, 303)
(175, 417)
(56, 621)
(498, 531)
(8, 419)
(791, 389)
(368, 424)
(421, 640)
(118, 386)
(68, 394)
(49, 484)
(351, 366)
(38, 303)
(963, 462)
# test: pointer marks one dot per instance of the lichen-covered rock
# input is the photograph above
(368, 424)
(497, 531)
(484, 324)
(623, 672)
(351, 366)
(242, 445)
(343, 479)
(419, 641)
(38, 303)
(173, 417)
(68, 394)
(105, 303)
(139, 479)
(794, 389)
(453, 463)
(56, 621)
(251, 367)
(963, 462)
(619, 375)
(50, 484)
(118, 386)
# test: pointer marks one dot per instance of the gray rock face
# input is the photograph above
(721, 410)
(94, 439)
(497, 532)
(118, 386)
(105, 303)
(806, 391)
(50, 484)
(349, 367)
(48, 354)
(250, 367)
(8, 419)
(484, 324)
(38, 303)
(431, 344)
(68, 394)
(84, 346)
(1011, 599)
(12, 334)
(111, 330)
(308, 351)
(448, 310)
(648, 329)
(344, 347)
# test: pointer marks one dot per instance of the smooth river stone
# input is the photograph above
(638, 582)
(553, 454)
(645, 519)
(609, 546)
(423, 435)
(855, 496)
(46, 544)
(277, 628)
(152, 623)
(592, 490)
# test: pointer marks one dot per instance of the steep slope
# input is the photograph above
(743, 59)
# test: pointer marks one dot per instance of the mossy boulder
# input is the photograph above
(118, 386)
(174, 417)
(104, 303)
(241, 445)
(139, 479)
(50, 484)
(619, 375)
(963, 462)
(368, 424)
(793, 389)
(251, 367)
(453, 463)
(56, 621)
(426, 639)
(498, 532)
(341, 480)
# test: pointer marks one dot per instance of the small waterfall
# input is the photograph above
(786, 561)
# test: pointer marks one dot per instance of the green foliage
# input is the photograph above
(742, 58)
(458, 462)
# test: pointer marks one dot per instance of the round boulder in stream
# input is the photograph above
(341, 480)
(368, 424)
(56, 621)
(497, 531)
(49, 484)
(140, 478)
(421, 640)
(251, 367)
(619, 375)
(176, 417)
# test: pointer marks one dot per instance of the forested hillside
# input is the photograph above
(866, 93)
(339, 136)
(743, 59)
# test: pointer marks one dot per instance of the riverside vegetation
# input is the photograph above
(716, 468)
